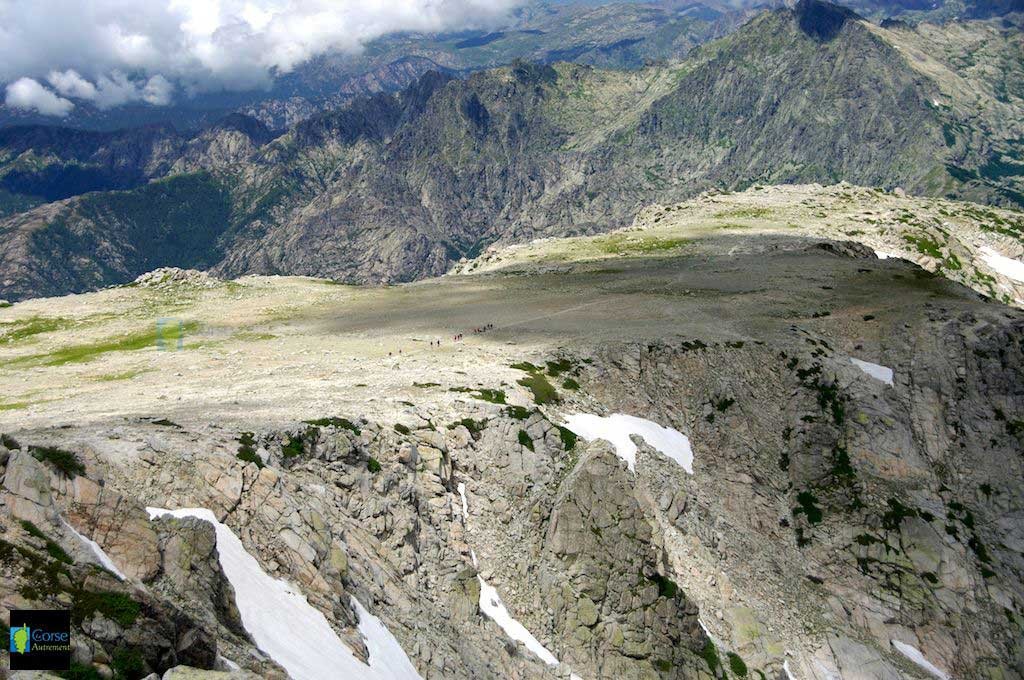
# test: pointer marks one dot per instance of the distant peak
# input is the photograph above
(245, 124)
(822, 20)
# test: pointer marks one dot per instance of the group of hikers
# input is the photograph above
(457, 337)
(478, 329)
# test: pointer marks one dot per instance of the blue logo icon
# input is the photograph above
(21, 640)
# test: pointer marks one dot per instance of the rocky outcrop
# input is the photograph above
(602, 578)
(888, 515)
(120, 627)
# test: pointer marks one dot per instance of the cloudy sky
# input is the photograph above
(54, 53)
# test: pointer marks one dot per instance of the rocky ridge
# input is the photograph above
(830, 514)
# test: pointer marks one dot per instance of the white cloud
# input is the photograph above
(26, 93)
(157, 91)
(70, 84)
(112, 90)
(109, 51)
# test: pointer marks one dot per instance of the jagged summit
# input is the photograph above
(822, 20)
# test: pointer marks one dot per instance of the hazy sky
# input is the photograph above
(110, 52)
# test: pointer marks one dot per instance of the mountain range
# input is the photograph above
(394, 187)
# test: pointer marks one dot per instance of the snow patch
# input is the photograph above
(885, 256)
(877, 371)
(290, 630)
(491, 604)
(915, 655)
(465, 505)
(1007, 266)
(387, 658)
(617, 429)
(102, 556)
(785, 667)
(707, 631)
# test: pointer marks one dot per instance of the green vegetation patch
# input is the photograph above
(247, 449)
(80, 671)
(568, 437)
(519, 412)
(373, 465)
(475, 427)
(401, 429)
(127, 663)
(117, 607)
(35, 325)
(808, 506)
(895, 515)
(557, 368)
(629, 244)
(736, 665)
(42, 576)
(526, 366)
(113, 377)
(924, 245)
(295, 445)
(64, 461)
(343, 423)
(492, 396)
(90, 351)
(752, 212)
(710, 655)
(52, 548)
(541, 388)
(666, 586)
(543, 391)
(525, 439)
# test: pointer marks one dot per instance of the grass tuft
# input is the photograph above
(64, 461)
(343, 423)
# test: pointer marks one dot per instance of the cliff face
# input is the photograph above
(823, 474)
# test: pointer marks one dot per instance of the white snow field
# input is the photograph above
(1007, 266)
(617, 429)
(290, 630)
(915, 655)
(102, 556)
(877, 371)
